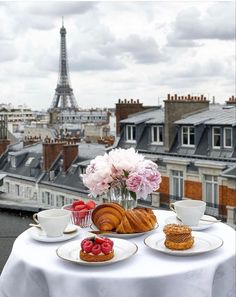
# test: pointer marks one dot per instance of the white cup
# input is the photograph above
(53, 221)
(189, 211)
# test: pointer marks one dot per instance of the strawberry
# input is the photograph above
(96, 249)
(82, 213)
(106, 248)
(77, 202)
(88, 246)
(80, 207)
(100, 240)
(108, 240)
(91, 204)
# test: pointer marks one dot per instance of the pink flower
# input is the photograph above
(153, 179)
(122, 168)
(134, 182)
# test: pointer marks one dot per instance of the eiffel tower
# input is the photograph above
(64, 98)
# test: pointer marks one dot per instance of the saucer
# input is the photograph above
(39, 235)
(201, 226)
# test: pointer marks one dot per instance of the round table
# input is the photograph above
(34, 270)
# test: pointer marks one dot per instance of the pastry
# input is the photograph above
(137, 220)
(107, 216)
(113, 217)
(178, 237)
(96, 249)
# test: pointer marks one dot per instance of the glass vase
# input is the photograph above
(122, 196)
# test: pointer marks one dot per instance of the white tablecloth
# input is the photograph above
(34, 270)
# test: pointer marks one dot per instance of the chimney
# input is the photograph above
(231, 101)
(51, 151)
(124, 109)
(70, 152)
(3, 145)
(175, 109)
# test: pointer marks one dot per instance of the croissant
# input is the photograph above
(137, 220)
(107, 216)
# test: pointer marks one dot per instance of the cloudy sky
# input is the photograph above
(117, 50)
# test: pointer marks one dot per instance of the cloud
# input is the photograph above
(96, 62)
(61, 8)
(190, 25)
(196, 73)
(142, 50)
(212, 68)
(8, 51)
(43, 17)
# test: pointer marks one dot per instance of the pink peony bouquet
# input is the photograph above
(123, 168)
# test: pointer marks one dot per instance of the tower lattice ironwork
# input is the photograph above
(64, 97)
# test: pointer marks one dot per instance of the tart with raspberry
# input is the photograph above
(96, 249)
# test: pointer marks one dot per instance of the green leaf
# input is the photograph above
(133, 195)
(126, 173)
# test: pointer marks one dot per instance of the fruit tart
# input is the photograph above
(96, 249)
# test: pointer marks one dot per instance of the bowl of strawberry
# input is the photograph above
(81, 212)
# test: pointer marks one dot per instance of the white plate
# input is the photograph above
(201, 226)
(39, 235)
(202, 243)
(123, 236)
(123, 250)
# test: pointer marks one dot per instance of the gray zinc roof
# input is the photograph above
(150, 116)
(216, 115)
(231, 172)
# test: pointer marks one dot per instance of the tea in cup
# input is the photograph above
(189, 211)
(53, 221)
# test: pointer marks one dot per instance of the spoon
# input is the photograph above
(68, 230)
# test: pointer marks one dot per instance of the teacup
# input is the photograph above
(189, 211)
(53, 221)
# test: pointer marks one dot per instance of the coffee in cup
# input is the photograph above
(189, 211)
(53, 221)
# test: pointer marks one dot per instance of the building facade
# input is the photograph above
(45, 175)
(17, 118)
(194, 144)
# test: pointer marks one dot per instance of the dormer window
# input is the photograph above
(130, 133)
(157, 135)
(188, 137)
(216, 137)
(29, 160)
(13, 161)
(228, 137)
